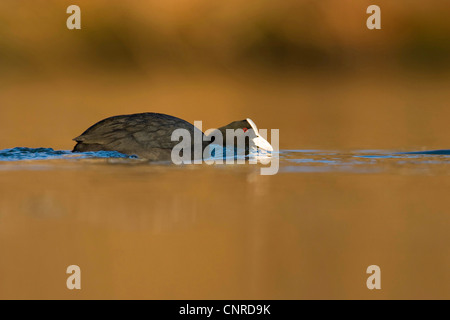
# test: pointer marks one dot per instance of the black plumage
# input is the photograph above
(146, 135)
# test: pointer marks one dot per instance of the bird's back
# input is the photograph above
(147, 135)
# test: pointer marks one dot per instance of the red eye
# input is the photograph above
(245, 129)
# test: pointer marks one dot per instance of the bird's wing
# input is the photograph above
(123, 133)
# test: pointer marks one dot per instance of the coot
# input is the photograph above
(148, 135)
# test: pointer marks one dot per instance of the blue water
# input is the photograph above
(433, 152)
(366, 161)
(22, 153)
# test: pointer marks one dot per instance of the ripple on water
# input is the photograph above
(365, 161)
(21, 153)
(290, 161)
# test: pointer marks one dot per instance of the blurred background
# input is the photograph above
(309, 68)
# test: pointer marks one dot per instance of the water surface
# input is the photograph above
(292, 161)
